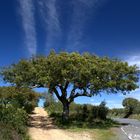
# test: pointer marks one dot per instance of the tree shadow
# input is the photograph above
(54, 121)
(79, 122)
(42, 122)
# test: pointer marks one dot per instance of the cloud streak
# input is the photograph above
(28, 22)
(50, 18)
(134, 60)
(81, 13)
(134, 94)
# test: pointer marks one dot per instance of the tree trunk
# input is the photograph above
(65, 114)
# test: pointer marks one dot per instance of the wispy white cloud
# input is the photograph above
(27, 14)
(81, 13)
(134, 94)
(133, 60)
(96, 103)
(114, 103)
(109, 103)
(118, 103)
(50, 18)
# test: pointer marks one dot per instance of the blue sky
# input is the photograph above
(103, 27)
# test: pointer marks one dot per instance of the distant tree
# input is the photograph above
(116, 112)
(86, 75)
(137, 110)
(103, 110)
(130, 105)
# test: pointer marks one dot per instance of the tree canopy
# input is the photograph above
(86, 74)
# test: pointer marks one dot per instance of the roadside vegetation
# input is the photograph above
(15, 104)
(131, 109)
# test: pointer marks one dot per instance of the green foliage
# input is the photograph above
(18, 97)
(99, 112)
(52, 105)
(85, 112)
(8, 133)
(135, 116)
(84, 71)
(13, 123)
(56, 107)
(15, 117)
(75, 122)
(81, 112)
(15, 103)
(131, 109)
(137, 109)
(49, 99)
(131, 105)
(103, 110)
(116, 112)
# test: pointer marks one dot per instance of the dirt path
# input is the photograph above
(42, 128)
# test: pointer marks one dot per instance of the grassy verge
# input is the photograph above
(103, 134)
(135, 116)
(96, 134)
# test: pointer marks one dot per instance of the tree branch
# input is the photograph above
(38, 85)
(74, 95)
(64, 94)
(66, 85)
(57, 94)
(83, 94)
(64, 89)
(72, 92)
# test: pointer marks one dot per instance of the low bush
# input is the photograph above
(95, 112)
(15, 104)
(13, 123)
(116, 112)
(75, 122)
(81, 112)
(19, 98)
(135, 116)
(102, 111)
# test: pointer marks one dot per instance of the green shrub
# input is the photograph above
(85, 112)
(19, 98)
(15, 103)
(94, 112)
(130, 105)
(55, 107)
(51, 105)
(14, 121)
(8, 133)
(103, 111)
(81, 112)
(116, 112)
(99, 112)
(29, 107)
